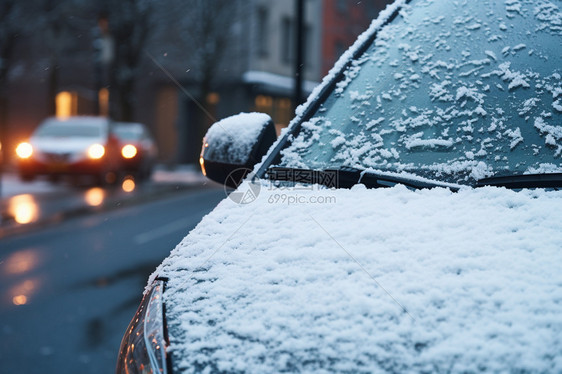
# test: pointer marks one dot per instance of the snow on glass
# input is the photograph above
(459, 97)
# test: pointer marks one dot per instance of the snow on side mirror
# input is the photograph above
(234, 145)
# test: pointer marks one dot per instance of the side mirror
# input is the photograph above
(234, 145)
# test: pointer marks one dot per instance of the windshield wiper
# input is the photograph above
(347, 177)
(552, 180)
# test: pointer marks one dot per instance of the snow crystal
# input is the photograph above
(528, 105)
(513, 6)
(551, 16)
(416, 141)
(552, 132)
(439, 91)
(515, 78)
(374, 123)
(515, 136)
(557, 105)
(491, 54)
(469, 93)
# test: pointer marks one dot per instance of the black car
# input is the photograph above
(311, 266)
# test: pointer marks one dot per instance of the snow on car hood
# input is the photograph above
(370, 280)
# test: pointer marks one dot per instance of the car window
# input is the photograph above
(129, 132)
(82, 130)
(453, 90)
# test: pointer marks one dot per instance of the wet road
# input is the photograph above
(68, 291)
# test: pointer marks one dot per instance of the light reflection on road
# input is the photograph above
(23, 208)
(21, 262)
(128, 185)
(94, 196)
(15, 271)
(21, 293)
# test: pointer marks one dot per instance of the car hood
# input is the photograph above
(363, 280)
(64, 145)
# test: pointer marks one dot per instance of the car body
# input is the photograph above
(138, 148)
(71, 146)
(311, 266)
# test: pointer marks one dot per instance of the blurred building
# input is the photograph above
(254, 74)
(342, 22)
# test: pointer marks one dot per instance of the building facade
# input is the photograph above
(255, 73)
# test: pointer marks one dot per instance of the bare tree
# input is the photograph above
(61, 23)
(10, 27)
(129, 23)
(207, 33)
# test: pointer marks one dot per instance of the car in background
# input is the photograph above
(409, 219)
(73, 146)
(138, 148)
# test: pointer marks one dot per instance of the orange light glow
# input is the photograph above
(202, 163)
(94, 196)
(23, 208)
(22, 291)
(129, 151)
(21, 262)
(96, 151)
(24, 150)
(67, 104)
(19, 300)
(128, 185)
(103, 99)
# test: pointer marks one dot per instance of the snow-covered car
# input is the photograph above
(455, 107)
(138, 148)
(78, 145)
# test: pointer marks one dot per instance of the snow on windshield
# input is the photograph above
(263, 288)
(455, 90)
(231, 139)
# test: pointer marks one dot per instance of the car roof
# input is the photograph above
(76, 120)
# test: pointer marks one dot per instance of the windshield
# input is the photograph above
(451, 90)
(65, 130)
(128, 132)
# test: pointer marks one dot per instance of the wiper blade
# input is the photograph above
(348, 177)
(552, 180)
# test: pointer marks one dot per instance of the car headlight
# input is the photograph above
(129, 151)
(96, 151)
(24, 150)
(143, 348)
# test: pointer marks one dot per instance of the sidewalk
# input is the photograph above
(25, 206)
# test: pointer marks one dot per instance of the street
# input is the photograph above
(69, 289)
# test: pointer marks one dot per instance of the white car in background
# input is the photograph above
(312, 267)
(73, 146)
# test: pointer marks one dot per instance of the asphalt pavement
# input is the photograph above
(69, 288)
(26, 206)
